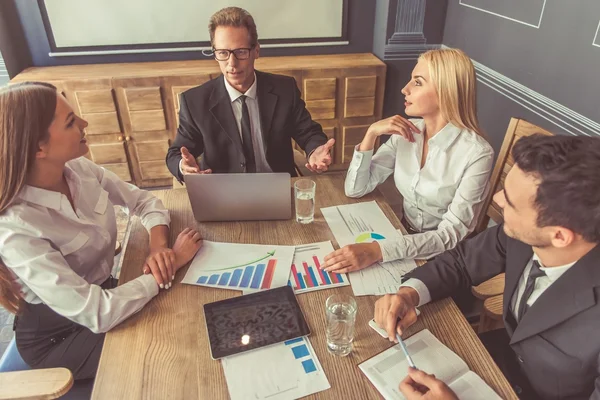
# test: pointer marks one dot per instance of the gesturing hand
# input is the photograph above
(189, 165)
(320, 159)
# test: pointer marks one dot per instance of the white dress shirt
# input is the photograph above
(541, 284)
(60, 256)
(442, 200)
(258, 143)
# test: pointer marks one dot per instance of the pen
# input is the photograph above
(405, 350)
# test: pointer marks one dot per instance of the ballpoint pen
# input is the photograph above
(405, 350)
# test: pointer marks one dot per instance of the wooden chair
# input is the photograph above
(494, 287)
(35, 384)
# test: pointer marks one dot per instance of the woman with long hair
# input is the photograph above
(441, 164)
(58, 234)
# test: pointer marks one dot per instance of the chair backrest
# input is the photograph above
(517, 128)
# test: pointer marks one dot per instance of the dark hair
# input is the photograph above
(568, 168)
(26, 112)
(236, 17)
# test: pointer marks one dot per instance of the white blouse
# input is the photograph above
(442, 200)
(60, 256)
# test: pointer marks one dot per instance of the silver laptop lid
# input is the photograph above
(240, 197)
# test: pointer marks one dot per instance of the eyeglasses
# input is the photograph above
(224, 54)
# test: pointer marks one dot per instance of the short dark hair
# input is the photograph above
(236, 17)
(568, 168)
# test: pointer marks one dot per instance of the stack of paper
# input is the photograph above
(363, 223)
(288, 370)
(386, 370)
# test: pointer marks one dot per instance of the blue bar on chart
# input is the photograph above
(235, 279)
(258, 275)
(224, 279)
(247, 275)
(300, 351)
(202, 280)
(293, 341)
(309, 366)
(213, 279)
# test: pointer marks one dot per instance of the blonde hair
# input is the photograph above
(236, 17)
(452, 72)
(26, 112)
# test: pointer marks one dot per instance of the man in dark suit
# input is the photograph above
(244, 120)
(547, 246)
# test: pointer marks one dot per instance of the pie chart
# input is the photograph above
(369, 237)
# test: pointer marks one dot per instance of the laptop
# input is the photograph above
(240, 197)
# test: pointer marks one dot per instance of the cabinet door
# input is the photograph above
(94, 101)
(142, 104)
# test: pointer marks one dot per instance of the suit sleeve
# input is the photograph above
(470, 263)
(188, 135)
(306, 132)
(596, 394)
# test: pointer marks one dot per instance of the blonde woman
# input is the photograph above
(441, 164)
(58, 233)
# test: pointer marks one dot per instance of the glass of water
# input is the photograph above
(341, 315)
(304, 190)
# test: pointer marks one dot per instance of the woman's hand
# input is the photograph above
(186, 246)
(395, 125)
(161, 263)
(352, 258)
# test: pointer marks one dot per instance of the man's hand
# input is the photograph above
(421, 386)
(396, 312)
(320, 159)
(352, 258)
(189, 165)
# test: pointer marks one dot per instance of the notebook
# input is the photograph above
(387, 369)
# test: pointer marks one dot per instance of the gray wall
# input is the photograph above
(535, 59)
(360, 35)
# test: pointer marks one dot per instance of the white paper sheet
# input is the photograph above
(288, 370)
(387, 369)
(306, 276)
(363, 223)
(240, 266)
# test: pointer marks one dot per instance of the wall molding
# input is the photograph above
(504, 16)
(566, 119)
(596, 36)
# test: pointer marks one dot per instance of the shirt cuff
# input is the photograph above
(419, 286)
(389, 249)
(156, 218)
(180, 170)
(149, 284)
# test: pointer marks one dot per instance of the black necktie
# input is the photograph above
(534, 273)
(247, 137)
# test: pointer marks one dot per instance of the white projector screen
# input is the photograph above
(92, 23)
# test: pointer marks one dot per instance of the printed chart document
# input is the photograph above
(287, 370)
(387, 369)
(363, 223)
(240, 266)
(306, 274)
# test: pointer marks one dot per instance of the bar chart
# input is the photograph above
(240, 266)
(306, 274)
(259, 276)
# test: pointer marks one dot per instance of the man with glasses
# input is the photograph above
(244, 120)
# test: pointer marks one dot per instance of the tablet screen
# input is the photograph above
(255, 320)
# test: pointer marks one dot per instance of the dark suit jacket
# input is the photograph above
(557, 343)
(207, 126)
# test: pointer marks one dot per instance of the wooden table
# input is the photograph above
(163, 352)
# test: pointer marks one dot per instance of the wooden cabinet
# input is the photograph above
(132, 109)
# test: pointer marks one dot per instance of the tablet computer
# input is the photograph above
(252, 321)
